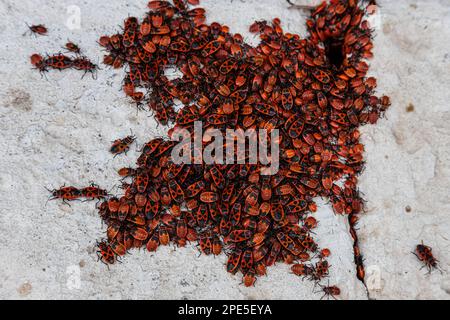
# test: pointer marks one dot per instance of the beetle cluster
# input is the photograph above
(424, 254)
(92, 192)
(72, 193)
(61, 62)
(38, 29)
(122, 145)
(315, 91)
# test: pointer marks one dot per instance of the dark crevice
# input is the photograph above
(334, 51)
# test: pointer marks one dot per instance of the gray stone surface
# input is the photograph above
(57, 130)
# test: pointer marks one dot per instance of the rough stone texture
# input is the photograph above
(58, 130)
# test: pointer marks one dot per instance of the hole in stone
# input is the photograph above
(334, 51)
(410, 108)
